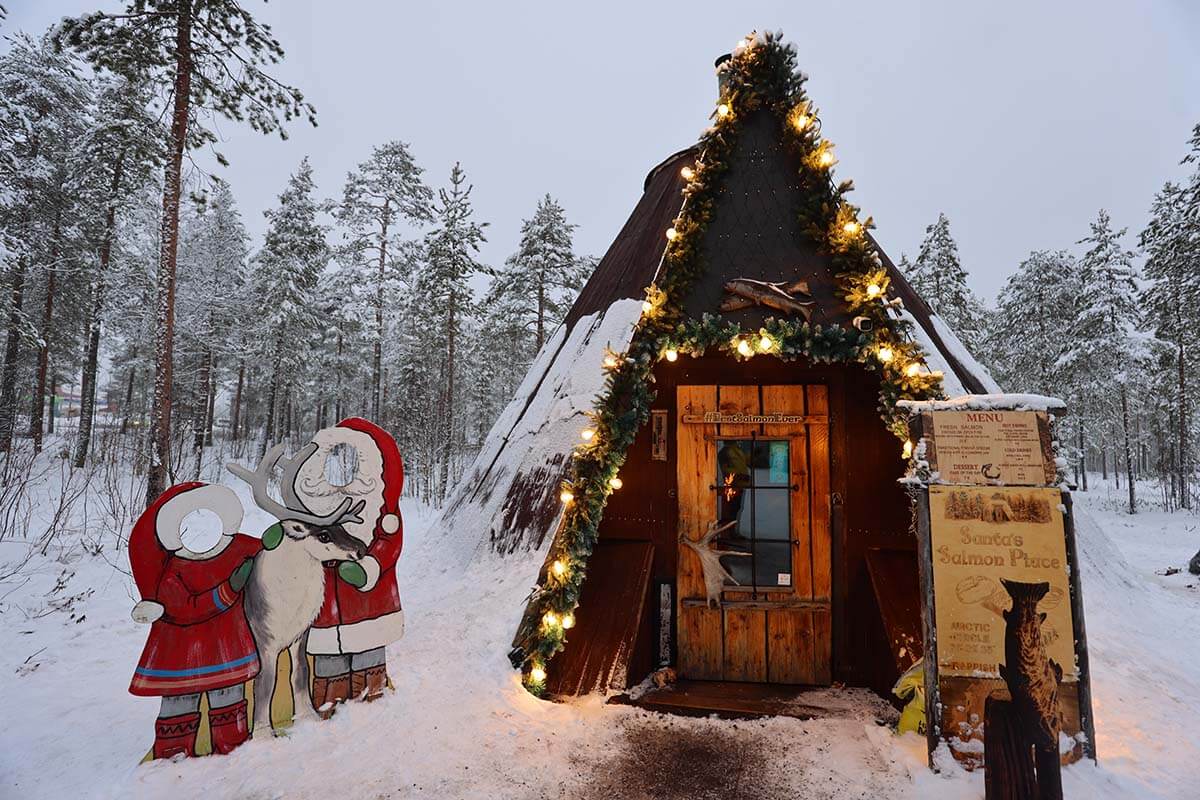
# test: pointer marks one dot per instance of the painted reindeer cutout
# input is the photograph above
(287, 586)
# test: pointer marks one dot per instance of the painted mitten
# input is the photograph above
(237, 581)
(272, 536)
(353, 574)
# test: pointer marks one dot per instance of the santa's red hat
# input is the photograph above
(388, 516)
(156, 535)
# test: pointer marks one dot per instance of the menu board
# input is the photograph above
(983, 542)
(1010, 448)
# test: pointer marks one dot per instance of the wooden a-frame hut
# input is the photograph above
(724, 384)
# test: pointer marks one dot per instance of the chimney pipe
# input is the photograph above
(721, 79)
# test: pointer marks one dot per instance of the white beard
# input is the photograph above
(322, 497)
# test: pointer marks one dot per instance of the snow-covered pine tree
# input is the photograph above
(213, 251)
(385, 191)
(525, 302)
(284, 277)
(939, 278)
(442, 295)
(1034, 317)
(42, 103)
(122, 149)
(543, 276)
(204, 55)
(1171, 300)
(1034, 310)
(1107, 349)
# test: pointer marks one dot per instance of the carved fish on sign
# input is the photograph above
(780, 295)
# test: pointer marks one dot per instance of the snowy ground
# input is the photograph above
(460, 726)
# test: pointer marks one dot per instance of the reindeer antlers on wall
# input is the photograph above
(292, 507)
(714, 571)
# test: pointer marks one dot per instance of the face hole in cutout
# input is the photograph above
(341, 465)
(201, 530)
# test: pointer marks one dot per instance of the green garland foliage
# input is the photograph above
(762, 74)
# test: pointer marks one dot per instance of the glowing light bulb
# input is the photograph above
(586, 434)
(913, 369)
(885, 354)
(672, 234)
(852, 227)
(616, 483)
(764, 343)
(825, 159)
(537, 674)
(744, 348)
(647, 306)
(801, 122)
(559, 568)
(671, 355)
(611, 361)
(688, 173)
(723, 110)
(568, 621)
(550, 619)
(907, 451)
(874, 290)
(567, 496)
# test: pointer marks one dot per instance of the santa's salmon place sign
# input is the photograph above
(1006, 665)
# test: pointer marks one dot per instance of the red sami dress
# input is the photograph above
(202, 641)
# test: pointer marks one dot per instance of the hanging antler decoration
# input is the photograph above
(292, 507)
(714, 571)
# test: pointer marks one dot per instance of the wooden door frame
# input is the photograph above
(771, 605)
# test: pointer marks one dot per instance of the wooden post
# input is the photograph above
(1009, 773)
(1086, 719)
(933, 703)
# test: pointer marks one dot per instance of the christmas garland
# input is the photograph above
(761, 74)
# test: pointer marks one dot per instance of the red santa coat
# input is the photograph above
(199, 639)
(354, 620)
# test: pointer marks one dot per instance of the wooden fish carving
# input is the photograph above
(1032, 678)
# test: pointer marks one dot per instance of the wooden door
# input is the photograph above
(776, 627)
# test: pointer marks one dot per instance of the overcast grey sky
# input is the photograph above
(1018, 119)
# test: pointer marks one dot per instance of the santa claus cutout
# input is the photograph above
(361, 614)
(199, 639)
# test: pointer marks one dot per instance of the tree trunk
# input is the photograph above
(160, 410)
(12, 343)
(272, 396)
(448, 421)
(200, 409)
(1082, 457)
(36, 418)
(1185, 499)
(541, 315)
(53, 406)
(377, 354)
(235, 416)
(87, 389)
(128, 398)
(1128, 448)
(212, 400)
(337, 397)
(12, 355)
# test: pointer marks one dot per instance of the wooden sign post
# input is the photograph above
(1006, 666)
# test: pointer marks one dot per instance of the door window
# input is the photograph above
(754, 497)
